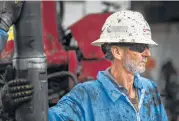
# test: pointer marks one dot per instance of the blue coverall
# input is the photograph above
(103, 100)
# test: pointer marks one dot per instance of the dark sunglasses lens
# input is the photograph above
(139, 48)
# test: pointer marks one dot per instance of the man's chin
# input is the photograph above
(140, 70)
(135, 69)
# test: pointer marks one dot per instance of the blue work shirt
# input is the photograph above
(102, 100)
(3, 39)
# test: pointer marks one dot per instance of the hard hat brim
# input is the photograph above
(99, 42)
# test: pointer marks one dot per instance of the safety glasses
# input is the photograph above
(139, 47)
(132, 46)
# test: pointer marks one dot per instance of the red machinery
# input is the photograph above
(81, 58)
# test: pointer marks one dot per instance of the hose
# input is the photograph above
(63, 73)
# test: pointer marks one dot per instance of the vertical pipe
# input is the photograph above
(30, 62)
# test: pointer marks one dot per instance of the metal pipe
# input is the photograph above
(30, 62)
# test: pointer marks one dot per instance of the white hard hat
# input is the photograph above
(125, 27)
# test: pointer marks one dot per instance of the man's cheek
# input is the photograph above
(135, 59)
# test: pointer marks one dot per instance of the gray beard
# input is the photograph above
(133, 68)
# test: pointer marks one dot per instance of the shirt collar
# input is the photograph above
(113, 90)
(108, 74)
(137, 81)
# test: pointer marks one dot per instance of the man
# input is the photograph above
(119, 93)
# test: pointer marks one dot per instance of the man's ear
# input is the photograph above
(117, 52)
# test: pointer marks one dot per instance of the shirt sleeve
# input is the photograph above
(3, 39)
(69, 108)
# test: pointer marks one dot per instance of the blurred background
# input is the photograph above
(163, 18)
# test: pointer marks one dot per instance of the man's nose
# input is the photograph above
(146, 52)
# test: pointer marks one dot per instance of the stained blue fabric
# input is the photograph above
(102, 100)
(3, 39)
